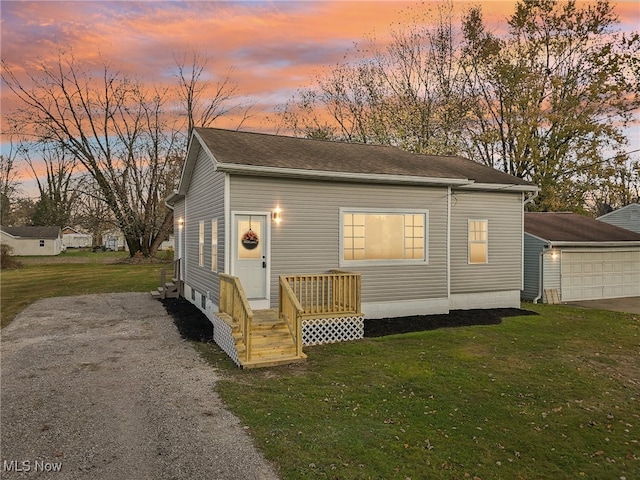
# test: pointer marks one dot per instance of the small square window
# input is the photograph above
(42, 243)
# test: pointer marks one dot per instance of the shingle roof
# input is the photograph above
(32, 232)
(263, 150)
(571, 227)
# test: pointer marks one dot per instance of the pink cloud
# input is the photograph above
(273, 47)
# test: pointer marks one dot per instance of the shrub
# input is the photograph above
(6, 258)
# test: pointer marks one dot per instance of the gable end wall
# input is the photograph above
(204, 201)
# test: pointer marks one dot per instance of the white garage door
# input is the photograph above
(590, 275)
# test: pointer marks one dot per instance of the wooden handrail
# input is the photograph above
(328, 293)
(290, 311)
(177, 275)
(233, 301)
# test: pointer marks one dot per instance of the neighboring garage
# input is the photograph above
(570, 257)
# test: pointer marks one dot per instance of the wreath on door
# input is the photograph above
(250, 240)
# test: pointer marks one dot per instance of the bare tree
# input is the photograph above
(9, 184)
(56, 186)
(411, 93)
(126, 135)
(204, 102)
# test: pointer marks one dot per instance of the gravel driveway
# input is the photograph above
(103, 387)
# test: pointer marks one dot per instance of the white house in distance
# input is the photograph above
(570, 257)
(27, 241)
(626, 217)
(73, 238)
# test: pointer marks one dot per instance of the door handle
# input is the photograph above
(264, 263)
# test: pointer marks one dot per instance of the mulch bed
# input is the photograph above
(455, 318)
(194, 325)
(191, 322)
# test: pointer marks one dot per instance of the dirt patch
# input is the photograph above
(194, 325)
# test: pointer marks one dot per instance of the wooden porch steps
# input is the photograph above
(271, 342)
(168, 290)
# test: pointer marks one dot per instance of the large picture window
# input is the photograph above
(478, 241)
(384, 236)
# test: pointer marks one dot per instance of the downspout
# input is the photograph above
(529, 200)
(448, 245)
(540, 270)
(540, 263)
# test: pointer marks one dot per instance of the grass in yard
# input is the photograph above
(76, 273)
(551, 396)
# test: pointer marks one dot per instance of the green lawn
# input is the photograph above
(552, 396)
(72, 273)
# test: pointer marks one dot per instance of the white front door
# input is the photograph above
(250, 257)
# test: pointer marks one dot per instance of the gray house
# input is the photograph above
(570, 257)
(427, 233)
(626, 217)
(423, 234)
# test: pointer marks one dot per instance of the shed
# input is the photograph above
(571, 257)
(29, 241)
(74, 238)
(626, 217)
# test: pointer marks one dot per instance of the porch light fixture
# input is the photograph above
(180, 222)
(277, 215)
(554, 254)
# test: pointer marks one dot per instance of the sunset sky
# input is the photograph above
(270, 48)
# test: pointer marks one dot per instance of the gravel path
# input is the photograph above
(103, 387)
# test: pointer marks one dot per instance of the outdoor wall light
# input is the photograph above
(277, 215)
(180, 222)
(554, 254)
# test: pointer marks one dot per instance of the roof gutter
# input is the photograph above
(633, 243)
(339, 176)
(504, 187)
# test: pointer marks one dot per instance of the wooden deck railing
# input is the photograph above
(290, 311)
(234, 303)
(333, 293)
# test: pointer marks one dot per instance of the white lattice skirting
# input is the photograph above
(330, 330)
(223, 337)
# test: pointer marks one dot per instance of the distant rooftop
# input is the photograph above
(32, 232)
(571, 227)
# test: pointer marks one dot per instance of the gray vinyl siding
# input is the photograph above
(532, 248)
(307, 240)
(503, 211)
(204, 202)
(627, 217)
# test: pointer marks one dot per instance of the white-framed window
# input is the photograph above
(214, 245)
(201, 243)
(478, 241)
(383, 236)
